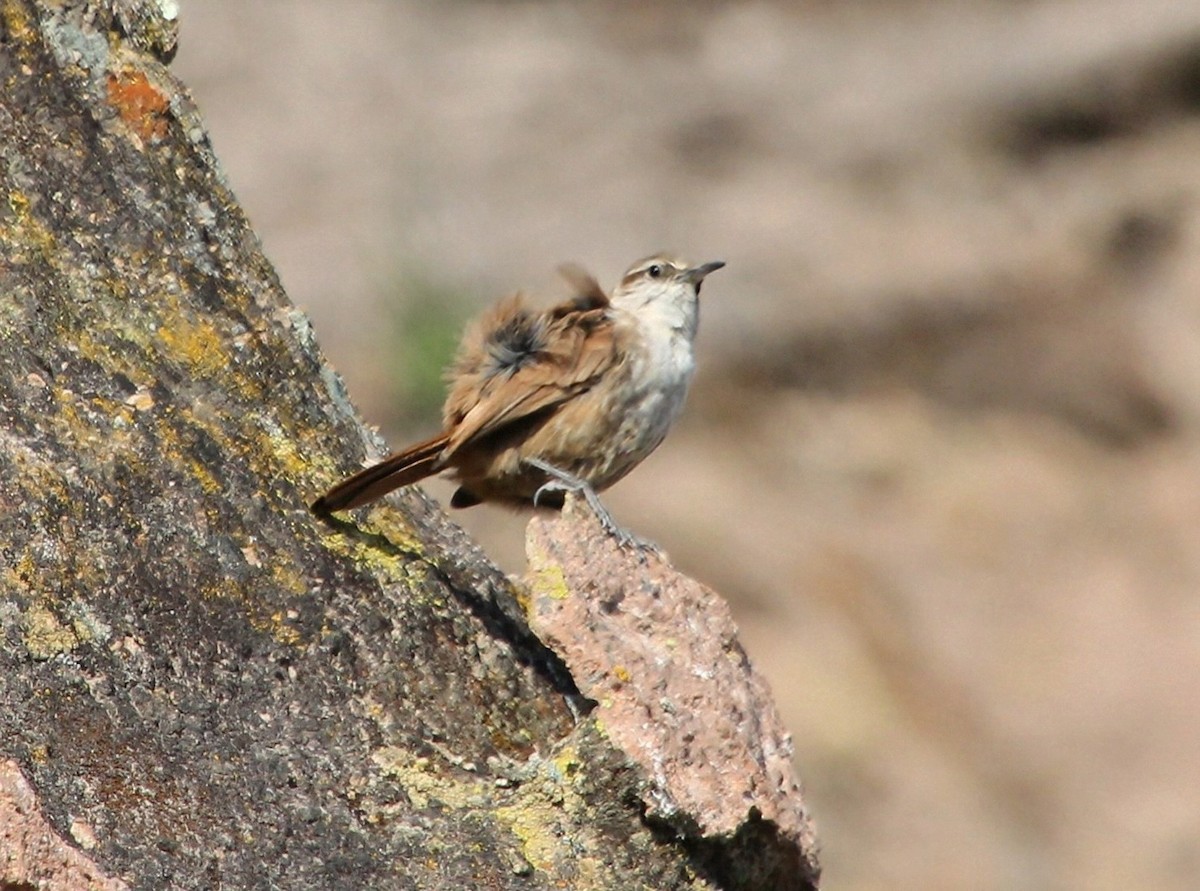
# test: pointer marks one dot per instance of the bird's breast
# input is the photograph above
(657, 375)
(609, 429)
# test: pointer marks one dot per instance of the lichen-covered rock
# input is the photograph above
(202, 685)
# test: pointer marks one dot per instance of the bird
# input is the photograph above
(564, 399)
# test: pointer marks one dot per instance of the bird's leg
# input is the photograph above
(561, 481)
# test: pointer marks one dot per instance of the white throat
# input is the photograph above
(661, 366)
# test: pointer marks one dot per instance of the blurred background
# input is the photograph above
(943, 451)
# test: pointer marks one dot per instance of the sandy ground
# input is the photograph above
(943, 456)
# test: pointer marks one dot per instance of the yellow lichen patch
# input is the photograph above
(167, 432)
(276, 624)
(20, 573)
(521, 593)
(200, 472)
(389, 523)
(541, 820)
(114, 361)
(383, 564)
(548, 580)
(538, 826)
(28, 230)
(283, 449)
(194, 344)
(222, 589)
(275, 452)
(288, 578)
(567, 761)
(17, 22)
(537, 811)
(282, 631)
(423, 785)
(167, 437)
(45, 635)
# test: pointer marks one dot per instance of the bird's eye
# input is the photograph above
(655, 271)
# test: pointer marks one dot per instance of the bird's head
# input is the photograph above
(664, 285)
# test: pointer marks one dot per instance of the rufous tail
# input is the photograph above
(401, 469)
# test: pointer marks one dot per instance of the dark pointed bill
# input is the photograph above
(696, 274)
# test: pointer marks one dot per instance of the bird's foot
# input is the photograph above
(561, 481)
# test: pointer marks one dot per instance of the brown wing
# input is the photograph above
(530, 362)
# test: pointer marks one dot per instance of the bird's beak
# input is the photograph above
(696, 274)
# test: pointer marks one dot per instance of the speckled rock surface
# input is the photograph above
(34, 856)
(202, 684)
(675, 692)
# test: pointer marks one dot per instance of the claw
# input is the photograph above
(551, 486)
(561, 481)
